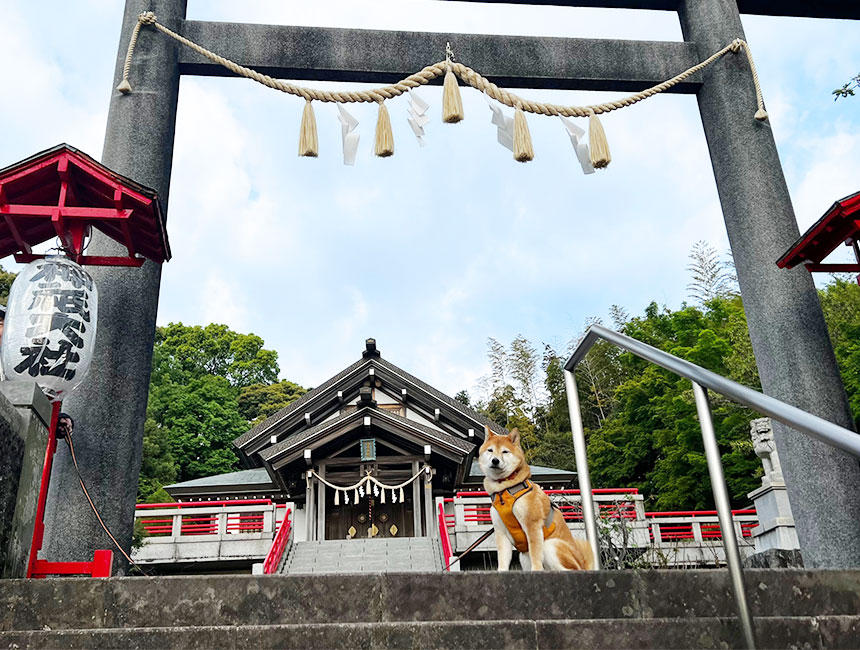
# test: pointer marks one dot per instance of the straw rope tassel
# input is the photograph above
(597, 144)
(146, 18)
(382, 496)
(401, 495)
(384, 139)
(308, 142)
(523, 151)
(384, 146)
(337, 497)
(452, 103)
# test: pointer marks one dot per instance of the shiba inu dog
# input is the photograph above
(523, 516)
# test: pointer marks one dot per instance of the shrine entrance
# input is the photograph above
(369, 518)
(370, 515)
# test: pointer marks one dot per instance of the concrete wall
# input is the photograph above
(25, 414)
(11, 459)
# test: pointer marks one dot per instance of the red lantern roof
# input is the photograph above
(62, 192)
(841, 223)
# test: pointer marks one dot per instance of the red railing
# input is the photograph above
(481, 493)
(273, 559)
(99, 567)
(443, 536)
(679, 531)
(572, 512)
(204, 524)
(203, 504)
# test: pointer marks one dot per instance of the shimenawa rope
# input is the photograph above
(452, 107)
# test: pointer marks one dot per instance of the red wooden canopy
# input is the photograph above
(841, 223)
(62, 192)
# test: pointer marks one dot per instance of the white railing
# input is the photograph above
(669, 539)
(207, 530)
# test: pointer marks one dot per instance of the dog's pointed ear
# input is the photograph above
(514, 435)
(487, 433)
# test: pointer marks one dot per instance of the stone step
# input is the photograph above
(201, 601)
(781, 632)
(407, 554)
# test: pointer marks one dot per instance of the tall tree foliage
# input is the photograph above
(641, 425)
(709, 276)
(208, 385)
(6, 280)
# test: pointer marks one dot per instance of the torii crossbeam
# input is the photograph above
(795, 359)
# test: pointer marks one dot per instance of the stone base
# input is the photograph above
(774, 558)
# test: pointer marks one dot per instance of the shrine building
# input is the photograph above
(372, 419)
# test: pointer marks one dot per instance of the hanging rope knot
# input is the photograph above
(737, 45)
(147, 18)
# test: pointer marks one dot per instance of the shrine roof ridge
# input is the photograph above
(369, 361)
(295, 440)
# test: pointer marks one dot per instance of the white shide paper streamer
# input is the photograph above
(580, 149)
(349, 135)
(418, 115)
(505, 125)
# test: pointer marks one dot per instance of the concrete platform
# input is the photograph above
(612, 609)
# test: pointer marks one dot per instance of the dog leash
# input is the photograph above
(471, 548)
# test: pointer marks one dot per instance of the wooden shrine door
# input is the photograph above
(369, 517)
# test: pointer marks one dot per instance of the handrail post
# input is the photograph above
(724, 512)
(582, 466)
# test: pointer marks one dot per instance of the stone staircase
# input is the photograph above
(607, 609)
(405, 554)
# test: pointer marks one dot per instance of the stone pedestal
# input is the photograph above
(776, 525)
(25, 415)
(775, 537)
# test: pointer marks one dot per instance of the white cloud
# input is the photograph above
(435, 249)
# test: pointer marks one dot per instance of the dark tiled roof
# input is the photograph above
(299, 437)
(382, 363)
(304, 434)
(294, 406)
(257, 476)
(442, 397)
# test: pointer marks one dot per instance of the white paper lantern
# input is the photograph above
(50, 325)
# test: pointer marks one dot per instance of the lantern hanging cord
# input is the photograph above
(95, 510)
(431, 72)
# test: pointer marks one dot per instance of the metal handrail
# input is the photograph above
(794, 417)
(702, 380)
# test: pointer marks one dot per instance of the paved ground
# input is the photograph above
(364, 555)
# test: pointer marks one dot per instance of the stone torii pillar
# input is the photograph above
(795, 360)
(110, 407)
(792, 348)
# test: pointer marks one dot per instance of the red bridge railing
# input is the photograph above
(273, 559)
(447, 553)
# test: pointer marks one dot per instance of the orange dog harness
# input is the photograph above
(504, 502)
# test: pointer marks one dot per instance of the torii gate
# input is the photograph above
(792, 349)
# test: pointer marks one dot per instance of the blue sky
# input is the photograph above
(437, 248)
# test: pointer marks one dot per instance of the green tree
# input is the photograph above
(159, 466)
(463, 397)
(847, 89)
(259, 401)
(6, 280)
(193, 413)
(202, 419)
(184, 351)
(840, 300)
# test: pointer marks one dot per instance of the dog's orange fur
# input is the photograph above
(560, 550)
